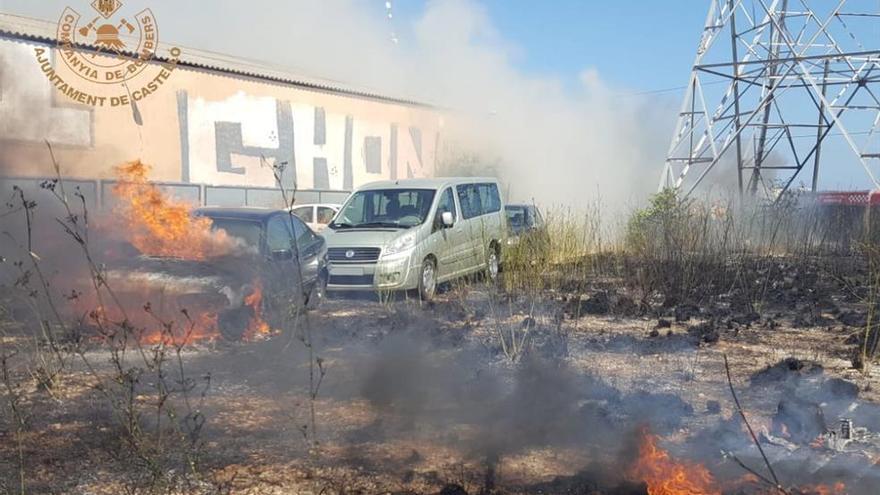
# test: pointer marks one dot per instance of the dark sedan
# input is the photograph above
(279, 237)
(268, 265)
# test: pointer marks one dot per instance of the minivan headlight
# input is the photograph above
(403, 243)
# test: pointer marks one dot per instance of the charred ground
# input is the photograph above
(580, 373)
(418, 397)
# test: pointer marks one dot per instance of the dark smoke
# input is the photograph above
(539, 402)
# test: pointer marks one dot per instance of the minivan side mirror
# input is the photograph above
(447, 219)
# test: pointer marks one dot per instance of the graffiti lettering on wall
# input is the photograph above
(231, 141)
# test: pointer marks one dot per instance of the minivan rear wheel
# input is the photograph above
(428, 280)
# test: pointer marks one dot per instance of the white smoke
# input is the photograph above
(556, 145)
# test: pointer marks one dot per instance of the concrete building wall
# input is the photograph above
(208, 127)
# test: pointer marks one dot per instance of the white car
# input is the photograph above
(316, 216)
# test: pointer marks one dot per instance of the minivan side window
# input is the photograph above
(478, 199)
(469, 199)
(490, 200)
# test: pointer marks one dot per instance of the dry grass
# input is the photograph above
(143, 419)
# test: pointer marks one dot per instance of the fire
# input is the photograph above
(160, 226)
(202, 328)
(666, 476)
(257, 325)
(160, 312)
(169, 324)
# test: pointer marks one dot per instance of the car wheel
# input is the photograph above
(428, 280)
(493, 264)
(233, 323)
(318, 293)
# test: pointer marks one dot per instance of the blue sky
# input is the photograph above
(641, 45)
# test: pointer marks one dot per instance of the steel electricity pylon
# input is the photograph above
(772, 82)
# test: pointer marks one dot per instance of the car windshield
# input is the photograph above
(518, 216)
(246, 230)
(396, 208)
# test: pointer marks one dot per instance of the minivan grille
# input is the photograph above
(351, 280)
(357, 255)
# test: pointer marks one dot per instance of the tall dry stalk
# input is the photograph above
(296, 321)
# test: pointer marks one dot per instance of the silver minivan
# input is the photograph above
(414, 234)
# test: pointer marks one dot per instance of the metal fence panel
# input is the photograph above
(99, 193)
(269, 198)
(225, 196)
(334, 197)
(33, 190)
(307, 197)
(190, 193)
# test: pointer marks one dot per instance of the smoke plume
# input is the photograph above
(552, 143)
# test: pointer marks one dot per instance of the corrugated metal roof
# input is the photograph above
(40, 31)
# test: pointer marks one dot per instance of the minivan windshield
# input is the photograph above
(388, 208)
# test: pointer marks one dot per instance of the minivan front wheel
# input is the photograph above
(428, 280)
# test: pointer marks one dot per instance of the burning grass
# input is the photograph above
(203, 328)
(666, 476)
(590, 365)
(252, 416)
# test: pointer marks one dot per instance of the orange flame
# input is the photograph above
(160, 226)
(202, 328)
(170, 325)
(257, 326)
(666, 476)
